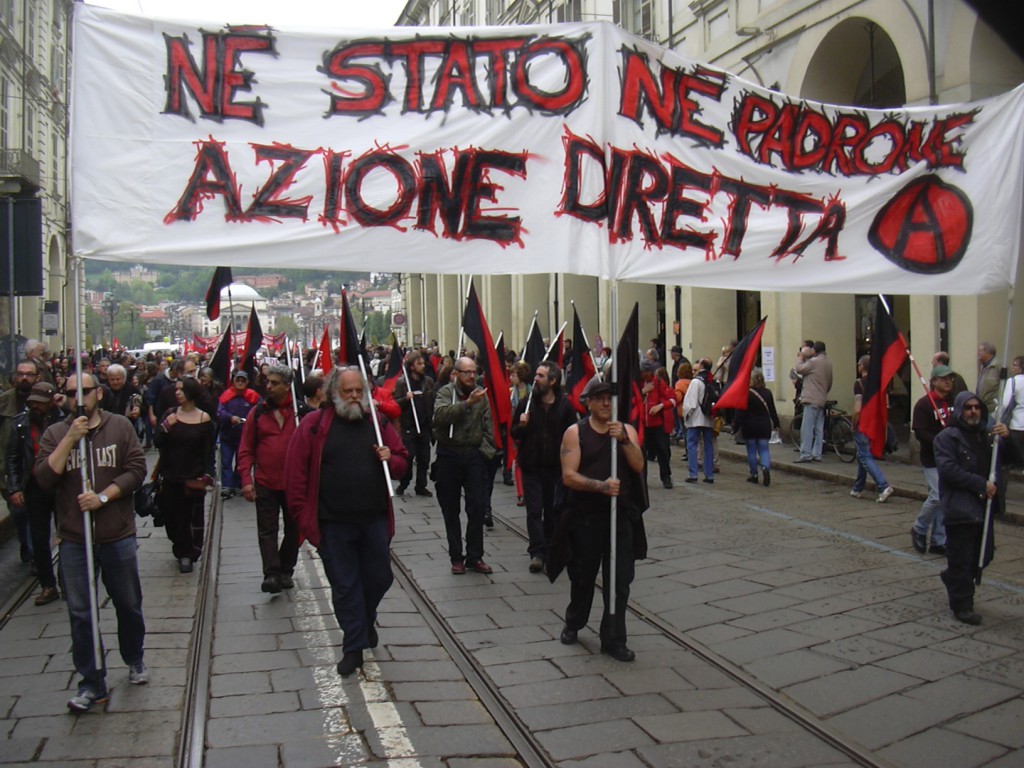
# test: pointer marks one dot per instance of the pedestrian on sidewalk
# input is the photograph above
(699, 424)
(815, 369)
(757, 423)
(931, 415)
(866, 464)
(963, 453)
(23, 487)
(539, 435)
(587, 473)
(261, 456)
(115, 469)
(337, 494)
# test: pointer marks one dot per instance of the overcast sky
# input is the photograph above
(338, 14)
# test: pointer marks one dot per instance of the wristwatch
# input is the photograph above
(104, 498)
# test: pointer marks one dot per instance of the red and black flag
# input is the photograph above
(582, 368)
(351, 350)
(221, 360)
(533, 354)
(627, 374)
(741, 363)
(887, 354)
(556, 350)
(491, 366)
(394, 370)
(253, 342)
(221, 280)
(325, 362)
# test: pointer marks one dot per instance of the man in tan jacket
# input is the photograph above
(813, 364)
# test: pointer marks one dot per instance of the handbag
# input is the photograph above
(195, 487)
(145, 499)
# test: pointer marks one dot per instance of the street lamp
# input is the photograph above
(110, 304)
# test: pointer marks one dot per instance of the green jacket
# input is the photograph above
(459, 426)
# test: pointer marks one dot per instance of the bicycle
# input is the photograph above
(838, 435)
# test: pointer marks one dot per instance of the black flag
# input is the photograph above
(221, 280)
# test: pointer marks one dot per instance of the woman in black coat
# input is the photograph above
(757, 423)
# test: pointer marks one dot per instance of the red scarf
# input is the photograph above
(251, 396)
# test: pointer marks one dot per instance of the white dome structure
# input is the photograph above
(240, 292)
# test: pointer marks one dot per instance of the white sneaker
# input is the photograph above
(857, 494)
(138, 674)
(884, 495)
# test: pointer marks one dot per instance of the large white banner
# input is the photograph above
(491, 150)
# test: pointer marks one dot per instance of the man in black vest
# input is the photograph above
(586, 471)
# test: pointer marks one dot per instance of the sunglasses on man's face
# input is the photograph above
(86, 391)
(972, 407)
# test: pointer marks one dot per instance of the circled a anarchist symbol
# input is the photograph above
(925, 227)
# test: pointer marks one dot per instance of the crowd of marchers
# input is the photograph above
(318, 451)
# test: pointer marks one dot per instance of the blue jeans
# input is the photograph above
(118, 566)
(757, 450)
(229, 478)
(931, 515)
(693, 436)
(812, 432)
(866, 464)
(357, 564)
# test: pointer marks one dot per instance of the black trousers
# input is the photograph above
(458, 473)
(657, 446)
(418, 447)
(184, 519)
(541, 492)
(591, 544)
(40, 518)
(270, 507)
(963, 545)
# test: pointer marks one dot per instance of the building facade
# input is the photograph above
(867, 53)
(34, 45)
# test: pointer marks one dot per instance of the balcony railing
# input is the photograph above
(20, 164)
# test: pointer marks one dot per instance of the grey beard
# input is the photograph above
(348, 410)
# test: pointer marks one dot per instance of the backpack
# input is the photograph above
(710, 395)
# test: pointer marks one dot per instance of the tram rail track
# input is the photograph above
(780, 703)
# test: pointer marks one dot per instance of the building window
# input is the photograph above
(5, 115)
(30, 32)
(636, 16)
(7, 13)
(468, 16)
(55, 165)
(494, 10)
(30, 127)
(569, 10)
(444, 12)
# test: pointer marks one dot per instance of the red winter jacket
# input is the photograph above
(264, 445)
(302, 468)
(660, 395)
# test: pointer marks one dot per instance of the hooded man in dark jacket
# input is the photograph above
(963, 452)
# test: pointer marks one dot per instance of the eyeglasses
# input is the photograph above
(86, 391)
(471, 373)
(972, 407)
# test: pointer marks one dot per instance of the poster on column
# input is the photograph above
(574, 148)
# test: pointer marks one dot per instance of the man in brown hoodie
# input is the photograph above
(116, 467)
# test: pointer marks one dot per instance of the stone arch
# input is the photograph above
(832, 59)
(868, 74)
